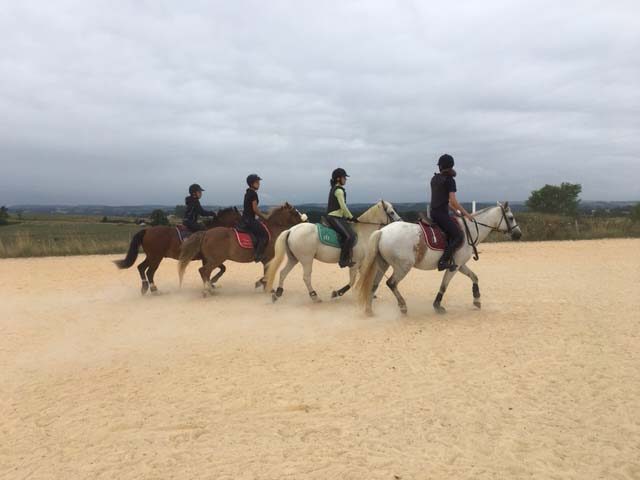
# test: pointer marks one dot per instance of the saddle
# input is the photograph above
(328, 236)
(183, 232)
(246, 239)
(433, 234)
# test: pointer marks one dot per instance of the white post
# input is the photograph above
(473, 206)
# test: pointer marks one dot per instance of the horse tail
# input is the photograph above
(281, 248)
(368, 269)
(132, 254)
(189, 249)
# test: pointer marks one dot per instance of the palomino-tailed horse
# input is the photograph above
(217, 245)
(164, 241)
(301, 243)
(403, 246)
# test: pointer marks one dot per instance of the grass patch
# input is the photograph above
(56, 238)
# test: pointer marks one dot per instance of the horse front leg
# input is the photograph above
(475, 289)
(448, 275)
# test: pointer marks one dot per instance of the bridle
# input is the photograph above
(504, 218)
(474, 243)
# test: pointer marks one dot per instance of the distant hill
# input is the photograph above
(145, 210)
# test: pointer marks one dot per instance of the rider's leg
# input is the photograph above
(346, 239)
(454, 239)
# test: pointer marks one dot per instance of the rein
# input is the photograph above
(474, 243)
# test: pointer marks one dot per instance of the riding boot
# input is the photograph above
(345, 258)
(446, 261)
(259, 250)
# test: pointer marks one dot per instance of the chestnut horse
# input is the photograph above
(163, 241)
(217, 245)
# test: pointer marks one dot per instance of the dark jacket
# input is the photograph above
(194, 210)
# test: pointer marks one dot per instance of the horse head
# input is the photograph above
(381, 213)
(508, 222)
(285, 215)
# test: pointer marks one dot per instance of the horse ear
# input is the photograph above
(498, 204)
(506, 205)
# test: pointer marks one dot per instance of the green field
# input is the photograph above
(64, 236)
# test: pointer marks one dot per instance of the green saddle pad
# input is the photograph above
(328, 236)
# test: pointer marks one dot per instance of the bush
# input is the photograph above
(158, 217)
(561, 200)
(635, 213)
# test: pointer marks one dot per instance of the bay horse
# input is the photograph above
(163, 241)
(403, 246)
(302, 243)
(217, 245)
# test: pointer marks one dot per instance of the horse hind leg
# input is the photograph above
(150, 275)
(383, 266)
(221, 270)
(475, 288)
(353, 273)
(307, 267)
(205, 275)
(291, 262)
(399, 272)
(142, 269)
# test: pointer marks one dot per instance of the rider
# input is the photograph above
(443, 198)
(194, 209)
(249, 214)
(338, 213)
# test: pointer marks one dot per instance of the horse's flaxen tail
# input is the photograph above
(368, 269)
(189, 249)
(132, 254)
(280, 249)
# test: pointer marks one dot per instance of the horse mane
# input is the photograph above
(226, 210)
(482, 210)
(275, 209)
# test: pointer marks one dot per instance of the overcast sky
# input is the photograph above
(129, 102)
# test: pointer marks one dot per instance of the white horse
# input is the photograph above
(403, 247)
(301, 244)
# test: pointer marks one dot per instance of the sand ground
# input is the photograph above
(543, 382)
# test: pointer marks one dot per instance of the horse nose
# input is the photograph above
(516, 235)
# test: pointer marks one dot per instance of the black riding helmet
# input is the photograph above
(253, 178)
(337, 173)
(445, 161)
(195, 188)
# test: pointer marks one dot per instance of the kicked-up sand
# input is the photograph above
(97, 382)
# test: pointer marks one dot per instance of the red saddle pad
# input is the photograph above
(433, 235)
(244, 238)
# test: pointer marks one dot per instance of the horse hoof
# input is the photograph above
(144, 289)
(368, 312)
(154, 289)
(440, 309)
(478, 305)
(316, 299)
(403, 309)
(274, 298)
(334, 294)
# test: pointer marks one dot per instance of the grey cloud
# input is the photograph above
(129, 102)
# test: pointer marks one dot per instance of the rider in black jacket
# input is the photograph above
(443, 199)
(194, 209)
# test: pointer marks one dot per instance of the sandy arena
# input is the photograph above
(543, 382)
